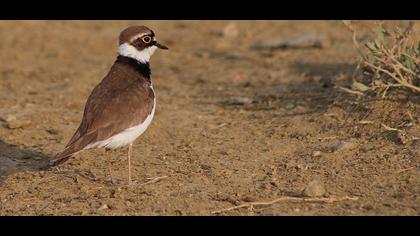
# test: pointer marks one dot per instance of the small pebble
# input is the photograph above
(317, 154)
(314, 189)
(9, 118)
(103, 207)
(15, 124)
(290, 106)
(85, 212)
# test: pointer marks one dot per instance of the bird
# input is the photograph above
(121, 107)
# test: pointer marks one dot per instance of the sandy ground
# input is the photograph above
(233, 124)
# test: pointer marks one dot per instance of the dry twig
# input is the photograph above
(350, 91)
(366, 122)
(154, 180)
(253, 204)
(404, 170)
(390, 128)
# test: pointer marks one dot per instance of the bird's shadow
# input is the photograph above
(15, 159)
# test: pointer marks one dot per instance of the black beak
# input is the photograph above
(161, 46)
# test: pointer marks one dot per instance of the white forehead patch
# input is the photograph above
(142, 56)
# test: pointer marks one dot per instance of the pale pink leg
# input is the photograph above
(130, 147)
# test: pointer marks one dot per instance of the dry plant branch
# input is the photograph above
(154, 180)
(253, 204)
(352, 29)
(366, 122)
(390, 128)
(350, 91)
(404, 170)
(389, 60)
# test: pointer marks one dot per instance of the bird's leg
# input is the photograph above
(109, 166)
(130, 147)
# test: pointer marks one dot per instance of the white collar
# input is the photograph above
(143, 56)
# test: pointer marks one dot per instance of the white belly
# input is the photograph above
(127, 136)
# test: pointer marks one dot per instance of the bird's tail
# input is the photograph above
(64, 155)
(76, 144)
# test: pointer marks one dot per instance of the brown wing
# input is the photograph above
(122, 100)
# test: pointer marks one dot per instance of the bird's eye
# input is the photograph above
(146, 39)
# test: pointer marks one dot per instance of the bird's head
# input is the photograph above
(139, 43)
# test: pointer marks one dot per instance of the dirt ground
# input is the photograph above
(233, 124)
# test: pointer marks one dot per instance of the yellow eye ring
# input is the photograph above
(146, 39)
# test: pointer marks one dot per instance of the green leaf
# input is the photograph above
(416, 51)
(378, 54)
(359, 86)
(379, 29)
(409, 63)
(418, 48)
(378, 43)
(370, 58)
(371, 46)
(378, 82)
(381, 38)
